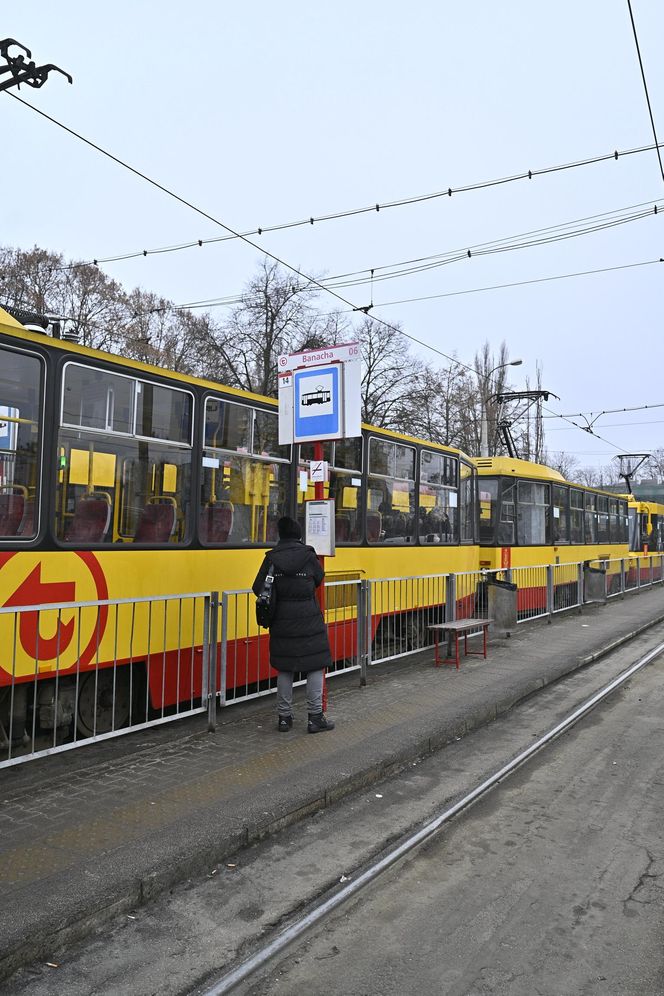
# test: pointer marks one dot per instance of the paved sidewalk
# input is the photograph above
(94, 832)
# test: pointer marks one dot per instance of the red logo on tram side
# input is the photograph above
(34, 591)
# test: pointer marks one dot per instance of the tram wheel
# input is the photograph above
(101, 707)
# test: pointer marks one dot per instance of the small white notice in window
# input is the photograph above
(210, 461)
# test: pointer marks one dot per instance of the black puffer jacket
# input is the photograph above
(298, 637)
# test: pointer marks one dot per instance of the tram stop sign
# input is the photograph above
(319, 395)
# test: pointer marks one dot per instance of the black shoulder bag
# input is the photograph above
(266, 602)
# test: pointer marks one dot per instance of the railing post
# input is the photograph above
(652, 570)
(579, 585)
(368, 616)
(362, 630)
(623, 579)
(224, 648)
(549, 591)
(450, 598)
(212, 661)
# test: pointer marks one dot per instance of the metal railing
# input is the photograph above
(106, 668)
(81, 672)
(245, 671)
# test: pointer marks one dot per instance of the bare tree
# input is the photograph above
(389, 376)
(565, 463)
(276, 315)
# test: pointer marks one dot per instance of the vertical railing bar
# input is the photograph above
(115, 668)
(224, 649)
(212, 663)
(148, 662)
(96, 699)
(57, 677)
(13, 687)
(179, 658)
(193, 653)
(78, 673)
(34, 693)
(164, 657)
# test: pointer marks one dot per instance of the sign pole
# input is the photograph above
(319, 495)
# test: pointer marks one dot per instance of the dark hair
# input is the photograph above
(289, 529)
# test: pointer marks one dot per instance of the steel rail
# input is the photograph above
(287, 936)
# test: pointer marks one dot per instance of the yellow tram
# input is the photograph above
(530, 515)
(122, 480)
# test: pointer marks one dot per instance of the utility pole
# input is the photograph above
(17, 70)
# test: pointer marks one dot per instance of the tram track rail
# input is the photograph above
(243, 970)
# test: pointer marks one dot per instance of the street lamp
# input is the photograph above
(484, 438)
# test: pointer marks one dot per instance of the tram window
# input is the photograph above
(633, 527)
(266, 435)
(21, 393)
(391, 492)
(560, 509)
(97, 399)
(244, 482)
(344, 486)
(507, 520)
(163, 413)
(590, 517)
(114, 484)
(576, 516)
(467, 503)
(438, 498)
(488, 510)
(348, 454)
(602, 519)
(228, 425)
(533, 524)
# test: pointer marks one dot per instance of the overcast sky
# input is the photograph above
(264, 113)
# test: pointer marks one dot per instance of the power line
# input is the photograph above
(470, 290)
(312, 220)
(645, 86)
(609, 411)
(311, 280)
(426, 263)
(237, 235)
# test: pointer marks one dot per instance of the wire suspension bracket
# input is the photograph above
(22, 71)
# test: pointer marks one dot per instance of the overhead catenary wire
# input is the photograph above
(192, 306)
(645, 86)
(313, 281)
(238, 235)
(332, 216)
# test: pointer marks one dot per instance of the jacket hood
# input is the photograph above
(290, 556)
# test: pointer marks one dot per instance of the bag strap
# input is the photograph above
(269, 580)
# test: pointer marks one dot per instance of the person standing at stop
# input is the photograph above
(298, 635)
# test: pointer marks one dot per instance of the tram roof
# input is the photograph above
(511, 467)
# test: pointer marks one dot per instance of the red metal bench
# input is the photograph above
(460, 627)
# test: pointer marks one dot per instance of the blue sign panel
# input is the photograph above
(317, 403)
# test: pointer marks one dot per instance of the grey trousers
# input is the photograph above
(285, 692)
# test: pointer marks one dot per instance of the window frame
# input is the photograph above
(40, 497)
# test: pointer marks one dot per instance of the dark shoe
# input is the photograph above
(318, 723)
(285, 724)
